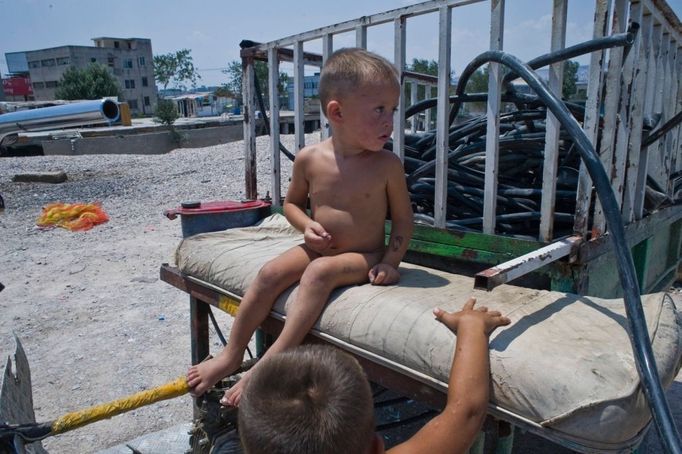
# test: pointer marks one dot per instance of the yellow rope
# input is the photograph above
(80, 418)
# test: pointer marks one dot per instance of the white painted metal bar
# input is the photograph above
(299, 109)
(375, 19)
(443, 112)
(273, 94)
(611, 103)
(520, 266)
(669, 109)
(327, 50)
(657, 155)
(428, 93)
(249, 97)
(625, 110)
(651, 89)
(677, 134)
(413, 101)
(361, 36)
(642, 46)
(492, 137)
(399, 29)
(591, 121)
(549, 170)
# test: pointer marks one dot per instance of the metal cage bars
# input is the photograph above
(632, 83)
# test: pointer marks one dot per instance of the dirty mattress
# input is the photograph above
(564, 363)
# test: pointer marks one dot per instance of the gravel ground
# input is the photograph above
(96, 322)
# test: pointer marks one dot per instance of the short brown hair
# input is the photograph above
(353, 67)
(311, 399)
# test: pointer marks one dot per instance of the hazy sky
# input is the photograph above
(212, 29)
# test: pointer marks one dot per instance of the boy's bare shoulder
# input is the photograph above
(310, 150)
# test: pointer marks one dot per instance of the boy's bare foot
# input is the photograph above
(202, 376)
(234, 395)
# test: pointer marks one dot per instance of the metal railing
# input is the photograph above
(627, 88)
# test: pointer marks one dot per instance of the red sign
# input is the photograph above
(17, 86)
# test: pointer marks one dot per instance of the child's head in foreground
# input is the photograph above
(351, 68)
(311, 399)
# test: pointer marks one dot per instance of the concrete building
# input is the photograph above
(130, 60)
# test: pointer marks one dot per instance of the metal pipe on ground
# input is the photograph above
(67, 115)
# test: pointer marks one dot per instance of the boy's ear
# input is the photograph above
(334, 111)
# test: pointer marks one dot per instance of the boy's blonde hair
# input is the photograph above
(350, 68)
(311, 399)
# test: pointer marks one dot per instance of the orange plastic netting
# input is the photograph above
(76, 216)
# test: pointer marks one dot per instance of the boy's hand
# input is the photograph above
(487, 320)
(383, 274)
(316, 237)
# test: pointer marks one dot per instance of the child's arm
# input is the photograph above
(386, 272)
(316, 237)
(454, 430)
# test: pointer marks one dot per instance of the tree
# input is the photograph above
(175, 67)
(234, 79)
(93, 82)
(423, 66)
(568, 88)
(478, 82)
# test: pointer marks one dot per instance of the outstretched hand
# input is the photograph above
(481, 316)
(316, 237)
(383, 274)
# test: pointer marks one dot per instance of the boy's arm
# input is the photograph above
(454, 429)
(401, 224)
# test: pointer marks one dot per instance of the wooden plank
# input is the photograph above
(591, 122)
(642, 46)
(327, 50)
(413, 100)
(399, 29)
(299, 111)
(657, 164)
(677, 145)
(611, 103)
(443, 112)
(625, 110)
(273, 93)
(549, 169)
(492, 136)
(249, 97)
(651, 80)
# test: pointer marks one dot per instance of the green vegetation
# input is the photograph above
(93, 82)
(176, 67)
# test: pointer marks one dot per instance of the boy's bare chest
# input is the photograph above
(350, 182)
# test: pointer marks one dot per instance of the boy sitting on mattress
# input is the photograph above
(317, 400)
(353, 183)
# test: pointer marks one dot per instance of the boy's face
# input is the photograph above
(367, 114)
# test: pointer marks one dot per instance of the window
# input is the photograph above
(140, 61)
(146, 101)
(110, 61)
(127, 84)
(132, 103)
(38, 85)
(63, 61)
(47, 62)
(93, 60)
(51, 84)
(117, 44)
(145, 82)
(130, 83)
(34, 64)
(128, 63)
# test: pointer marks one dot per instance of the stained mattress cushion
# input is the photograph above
(565, 362)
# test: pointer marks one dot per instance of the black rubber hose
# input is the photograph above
(639, 336)
(667, 126)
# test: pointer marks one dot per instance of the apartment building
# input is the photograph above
(130, 60)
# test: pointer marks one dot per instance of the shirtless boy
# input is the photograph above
(316, 399)
(353, 184)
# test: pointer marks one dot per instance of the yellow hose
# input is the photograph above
(80, 418)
